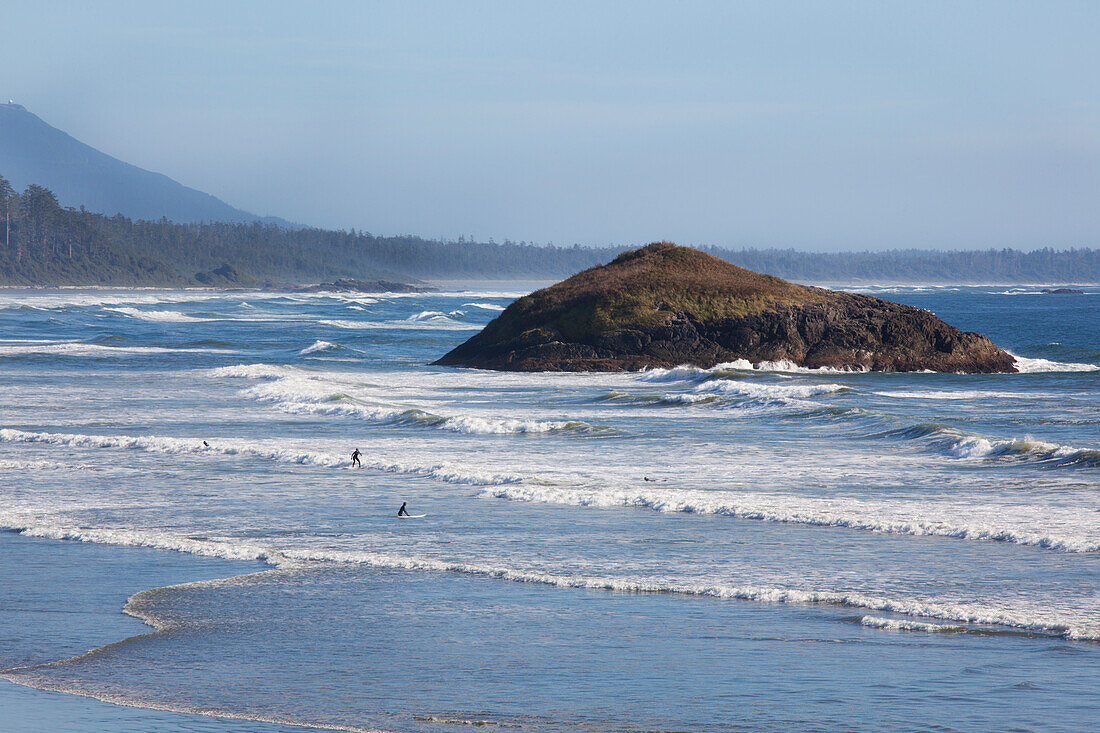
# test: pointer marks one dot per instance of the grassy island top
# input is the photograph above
(644, 288)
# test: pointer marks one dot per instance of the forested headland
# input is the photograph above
(43, 243)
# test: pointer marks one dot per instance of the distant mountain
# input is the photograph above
(32, 151)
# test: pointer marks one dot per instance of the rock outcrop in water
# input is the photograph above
(664, 305)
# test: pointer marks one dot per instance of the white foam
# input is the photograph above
(964, 394)
(428, 316)
(484, 306)
(448, 472)
(688, 372)
(957, 444)
(756, 389)
(900, 516)
(166, 316)
(428, 324)
(1030, 366)
(78, 349)
(893, 624)
(255, 371)
(290, 556)
(317, 346)
(314, 397)
(681, 399)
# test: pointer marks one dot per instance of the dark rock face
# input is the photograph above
(666, 323)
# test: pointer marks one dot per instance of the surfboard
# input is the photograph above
(412, 516)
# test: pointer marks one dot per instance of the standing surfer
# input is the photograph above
(355, 459)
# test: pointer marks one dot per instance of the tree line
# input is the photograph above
(43, 243)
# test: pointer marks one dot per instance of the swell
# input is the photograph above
(295, 557)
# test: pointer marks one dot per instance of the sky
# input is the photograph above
(818, 126)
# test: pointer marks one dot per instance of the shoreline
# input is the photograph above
(40, 707)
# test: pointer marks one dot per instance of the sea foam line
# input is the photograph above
(768, 509)
(297, 392)
(78, 348)
(290, 557)
(449, 473)
(688, 372)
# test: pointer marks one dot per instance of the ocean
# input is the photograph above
(743, 548)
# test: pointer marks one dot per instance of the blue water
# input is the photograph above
(729, 549)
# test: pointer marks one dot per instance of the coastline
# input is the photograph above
(89, 622)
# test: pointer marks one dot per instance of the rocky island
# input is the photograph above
(664, 305)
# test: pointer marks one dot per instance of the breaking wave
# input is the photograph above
(1031, 366)
(689, 373)
(957, 444)
(893, 624)
(318, 346)
(775, 391)
(155, 316)
(432, 316)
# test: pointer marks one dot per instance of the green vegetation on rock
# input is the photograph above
(664, 305)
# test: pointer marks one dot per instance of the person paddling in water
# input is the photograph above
(355, 459)
(402, 512)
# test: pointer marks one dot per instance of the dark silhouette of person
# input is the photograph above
(402, 512)
(355, 458)
(205, 444)
(647, 478)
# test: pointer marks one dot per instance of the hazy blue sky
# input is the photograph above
(825, 125)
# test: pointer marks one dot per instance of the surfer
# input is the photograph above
(647, 478)
(402, 512)
(205, 444)
(355, 459)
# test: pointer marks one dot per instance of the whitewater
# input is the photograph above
(802, 521)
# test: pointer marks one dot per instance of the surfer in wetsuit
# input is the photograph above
(355, 459)
(402, 512)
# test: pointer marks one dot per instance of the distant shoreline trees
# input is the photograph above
(45, 244)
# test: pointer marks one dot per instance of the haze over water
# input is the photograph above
(706, 550)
